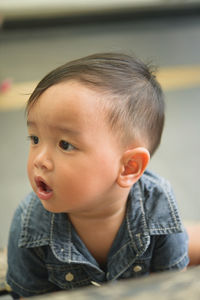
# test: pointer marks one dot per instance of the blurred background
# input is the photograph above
(37, 36)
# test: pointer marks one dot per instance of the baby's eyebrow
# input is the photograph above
(30, 123)
(57, 127)
(66, 130)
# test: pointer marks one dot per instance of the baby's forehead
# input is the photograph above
(77, 88)
(69, 101)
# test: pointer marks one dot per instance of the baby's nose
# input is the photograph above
(43, 160)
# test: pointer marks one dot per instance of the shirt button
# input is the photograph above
(69, 276)
(137, 268)
(95, 283)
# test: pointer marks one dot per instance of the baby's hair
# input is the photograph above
(131, 96)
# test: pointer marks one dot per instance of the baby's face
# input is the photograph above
(74, 158)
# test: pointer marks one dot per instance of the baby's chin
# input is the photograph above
(51, 208)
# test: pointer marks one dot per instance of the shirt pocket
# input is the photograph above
(68, 276)
(140, 267)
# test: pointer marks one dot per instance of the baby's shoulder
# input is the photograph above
(152, 181)
(154, 187)
(30, 201)
(159, 204)
(29, 208)
(32, 220)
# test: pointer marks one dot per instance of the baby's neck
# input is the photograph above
(98, 232)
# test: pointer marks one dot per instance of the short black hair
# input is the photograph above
(135, 102)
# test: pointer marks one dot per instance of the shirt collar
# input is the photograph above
(41, 228)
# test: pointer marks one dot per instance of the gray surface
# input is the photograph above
(162, 286)
(6, 297)
(25, 9)
(29, 55)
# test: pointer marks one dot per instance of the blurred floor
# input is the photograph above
(28, 55)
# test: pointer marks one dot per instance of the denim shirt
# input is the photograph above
(46, 254)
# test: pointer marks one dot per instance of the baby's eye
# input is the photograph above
(34, 139)
(66, 146)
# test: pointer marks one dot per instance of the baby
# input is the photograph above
(95, 214)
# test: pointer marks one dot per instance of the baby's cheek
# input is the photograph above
(29, 169)
(76, 190)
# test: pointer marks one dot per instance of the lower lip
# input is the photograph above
(44, 195)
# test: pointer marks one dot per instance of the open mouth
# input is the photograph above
(44, 187)
(44, 191)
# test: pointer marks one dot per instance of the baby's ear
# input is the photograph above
(133, 164)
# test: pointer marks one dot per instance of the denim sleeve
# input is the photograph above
(171, 252)
(26, 275)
